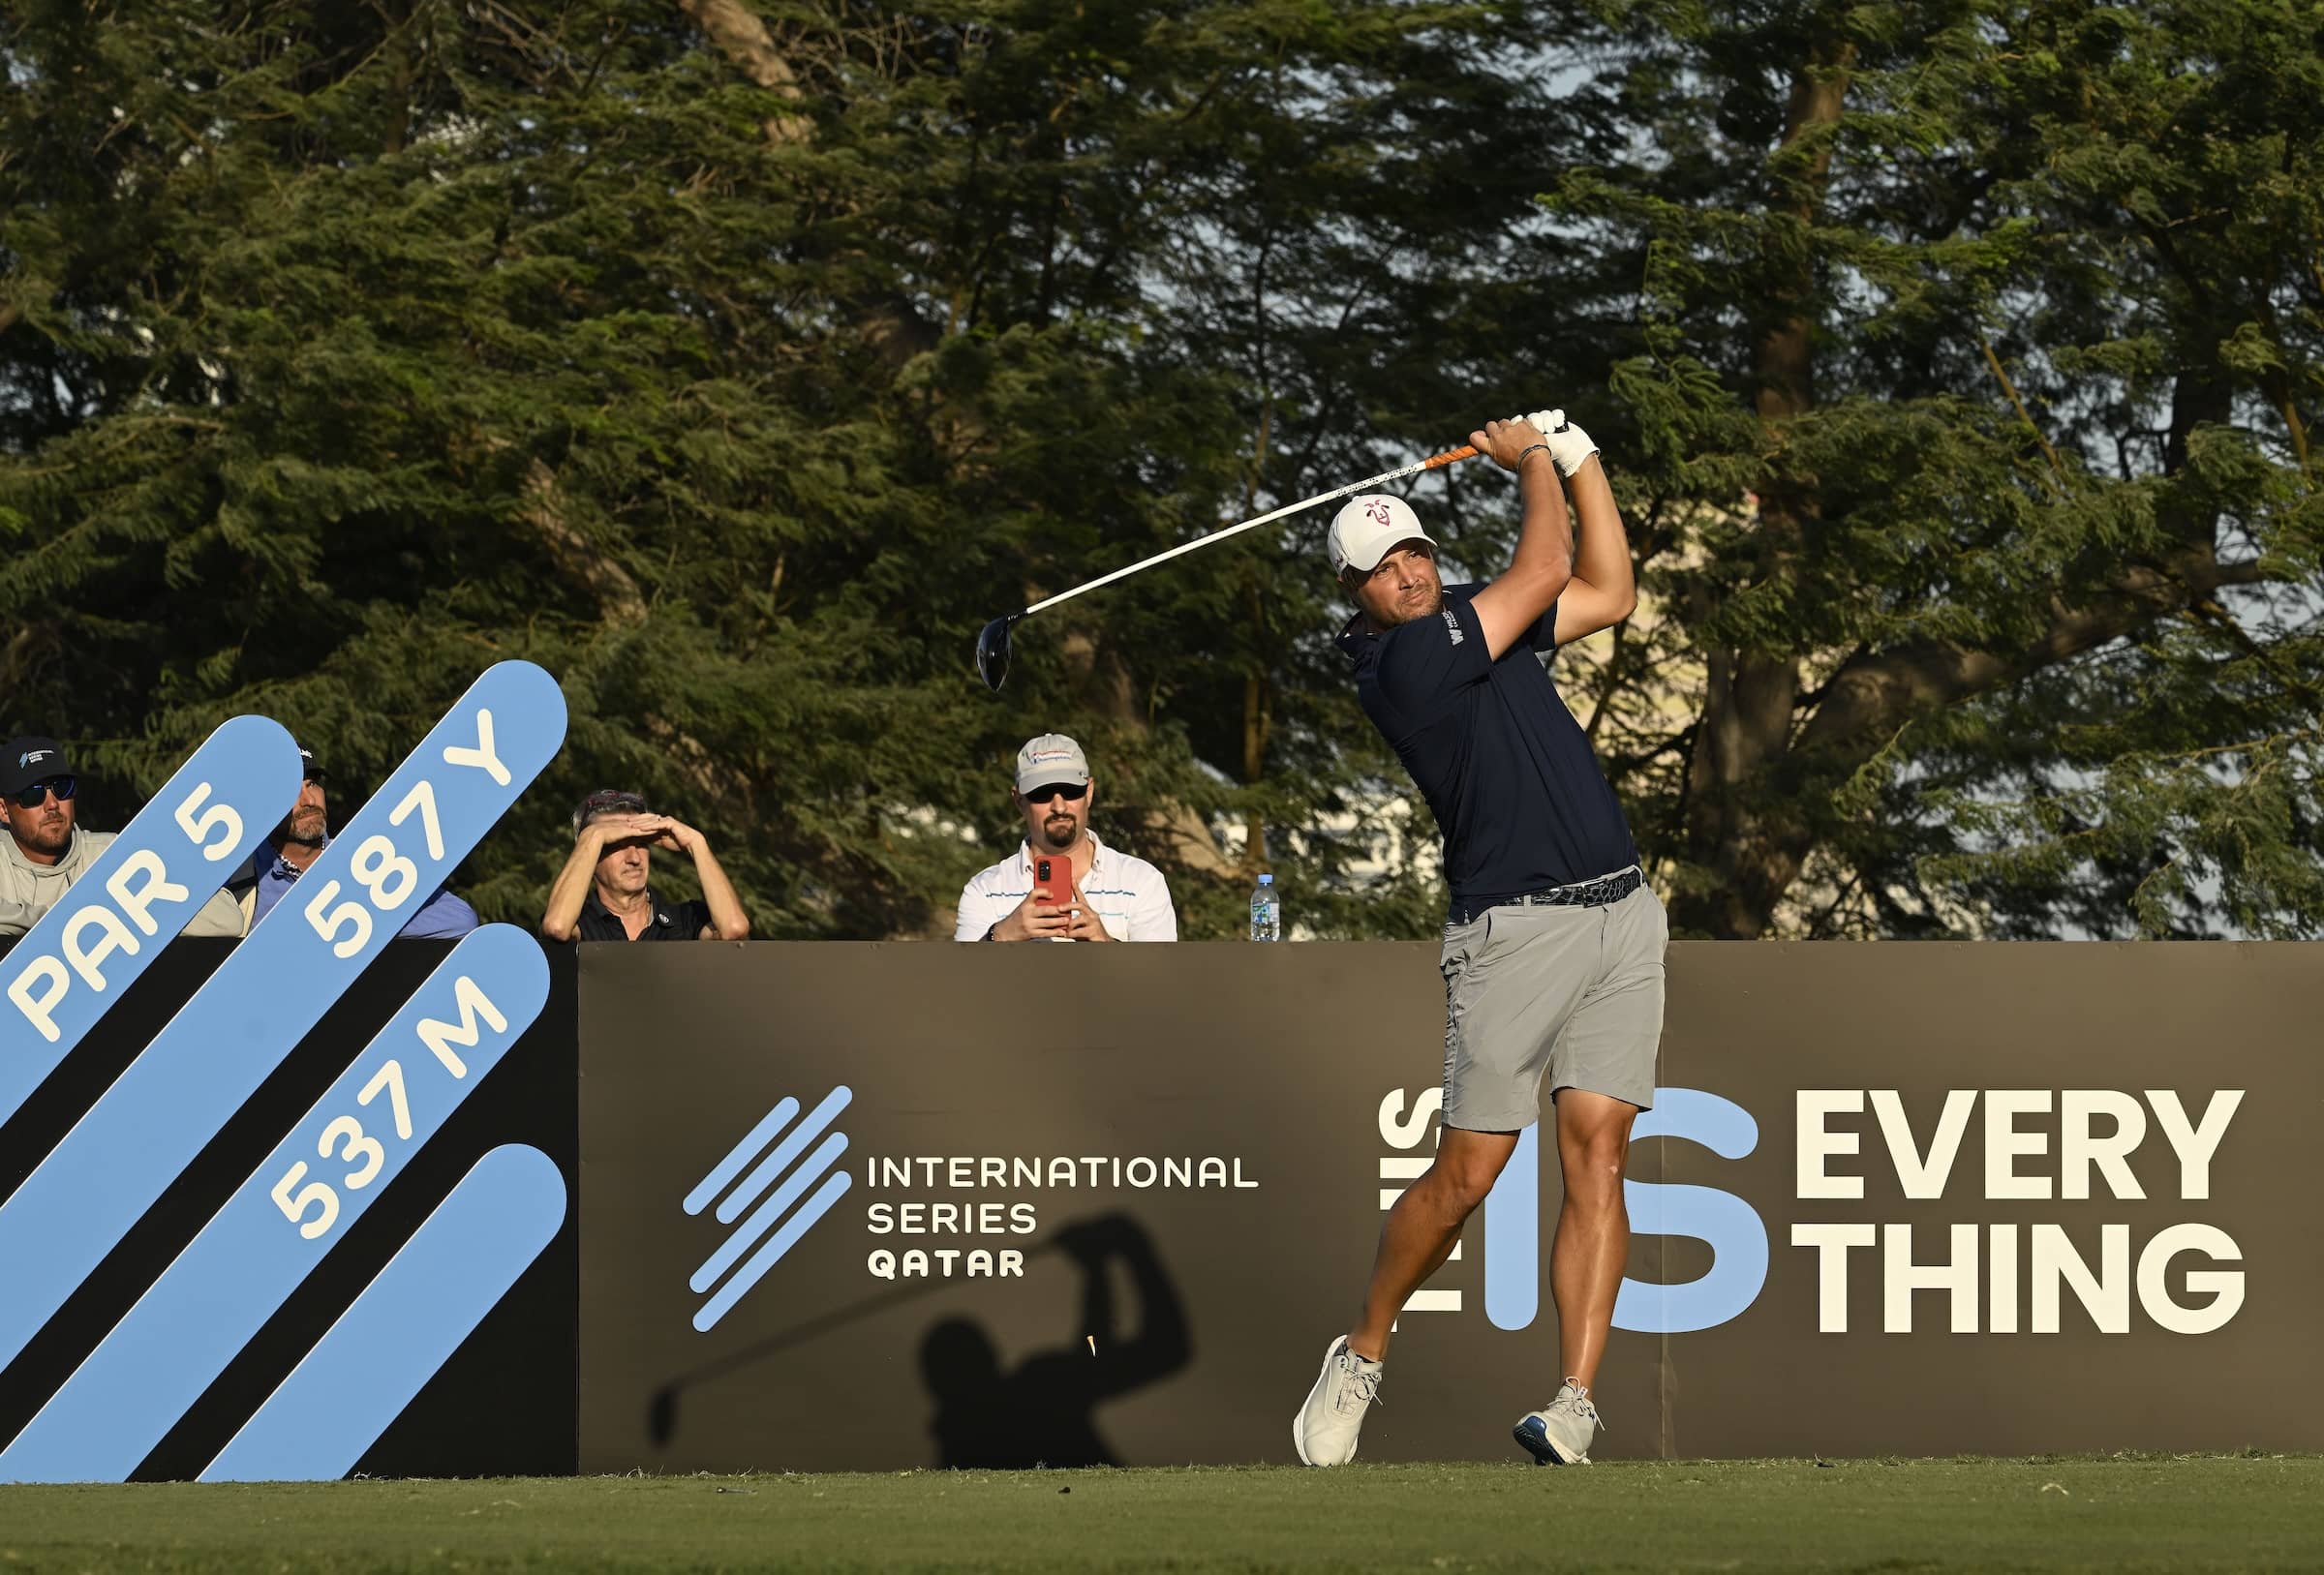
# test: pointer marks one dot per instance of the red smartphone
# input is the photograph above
(1052, 881)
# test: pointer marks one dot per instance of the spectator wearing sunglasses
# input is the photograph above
(1115, 897)
(603, 893)
(294, 845)
(46, 852)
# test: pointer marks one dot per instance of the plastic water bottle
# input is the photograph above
(1267, 911)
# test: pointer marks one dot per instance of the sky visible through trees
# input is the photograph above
(1956, 364)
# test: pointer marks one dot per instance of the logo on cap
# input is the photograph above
(30, 756)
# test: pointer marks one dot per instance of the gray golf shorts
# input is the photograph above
(1575, 993)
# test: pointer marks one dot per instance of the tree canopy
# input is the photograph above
(737, 359)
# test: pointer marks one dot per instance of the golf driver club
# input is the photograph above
(993, 642)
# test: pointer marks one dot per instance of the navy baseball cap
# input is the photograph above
(29, 759)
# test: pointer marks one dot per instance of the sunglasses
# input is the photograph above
(34, 795)
(1057, 790)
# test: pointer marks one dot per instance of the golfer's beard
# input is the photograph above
(1060, 830)
(1428, 606)
(306, 830)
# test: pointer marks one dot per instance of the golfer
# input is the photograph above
(1553, 948)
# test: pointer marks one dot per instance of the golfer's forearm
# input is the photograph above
(1602, 557)
(1544, 564)
(1545, 557)
(725, 908)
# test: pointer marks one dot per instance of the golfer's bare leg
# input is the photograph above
(1423, 1227)
(1593, 1227)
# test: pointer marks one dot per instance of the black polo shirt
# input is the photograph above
(671, 921)
(1501, 761)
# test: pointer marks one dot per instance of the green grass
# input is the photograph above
(2121, 1513)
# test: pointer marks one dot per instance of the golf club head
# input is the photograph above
(993, 651)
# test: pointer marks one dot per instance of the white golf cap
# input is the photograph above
(1052, 757)
(1366, 528)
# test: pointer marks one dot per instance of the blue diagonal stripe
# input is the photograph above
(789, 1149)
(743, 1153)
(408, 1323)
(54, 985)
(237, 1028)
(767, 1213)
(767, 1257)
(255, 1251)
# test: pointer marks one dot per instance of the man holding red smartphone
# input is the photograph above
(1063, 884)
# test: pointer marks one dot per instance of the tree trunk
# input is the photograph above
(1753, 758)
(1733, 832)
(1258, 719)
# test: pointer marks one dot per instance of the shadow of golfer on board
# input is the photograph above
(1041, 1413)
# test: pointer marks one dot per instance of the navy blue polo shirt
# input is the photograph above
(671, 920)
(1506, 768)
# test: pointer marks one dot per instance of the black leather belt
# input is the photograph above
(1601, 892)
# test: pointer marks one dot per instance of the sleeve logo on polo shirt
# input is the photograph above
(1454, 623)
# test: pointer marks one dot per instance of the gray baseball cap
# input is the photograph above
(1052, 757)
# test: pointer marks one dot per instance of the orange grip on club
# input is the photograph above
(1467, 451)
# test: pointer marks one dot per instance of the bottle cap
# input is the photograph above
(1266, 880)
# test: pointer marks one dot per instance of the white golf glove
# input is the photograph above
(1569, 445)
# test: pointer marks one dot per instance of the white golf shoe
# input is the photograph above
(1323, 1432)
(1560, 1432)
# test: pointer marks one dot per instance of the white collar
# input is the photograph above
(1097, 848)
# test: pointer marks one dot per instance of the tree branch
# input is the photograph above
(2057, 469)
(617, 593)
(743, 38)
(889, 323)
(1875, 693)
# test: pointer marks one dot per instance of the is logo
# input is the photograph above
(1515, 1232)
(767, 1230)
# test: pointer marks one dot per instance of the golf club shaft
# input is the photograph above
(1431, 463)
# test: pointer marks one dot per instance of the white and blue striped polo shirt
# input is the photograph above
(1131, 897)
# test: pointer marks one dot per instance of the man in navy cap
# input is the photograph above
(46, 852)
(299, 841)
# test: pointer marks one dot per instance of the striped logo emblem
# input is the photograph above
(768, 1158)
